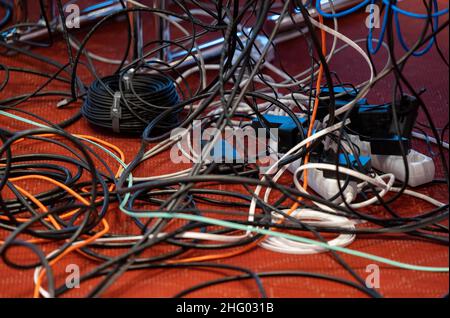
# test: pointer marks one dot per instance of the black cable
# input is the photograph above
(150, 100)
(271, 274)
(132, 114)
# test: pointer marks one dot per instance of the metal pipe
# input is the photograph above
(137, 32)
(214, 48)
(163, 32)
(288, 24)
(210, 50)
(87, 17)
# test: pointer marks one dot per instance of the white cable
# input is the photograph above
(424, 137)
(94, 56)
(314, 218)
(378, 181)
(307, 73)
(274, 167)
(421, 196)
(185, 235)
(195, 69)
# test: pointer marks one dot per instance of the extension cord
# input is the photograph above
(327, 188)
(421, 167)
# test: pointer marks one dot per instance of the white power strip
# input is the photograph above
(327, 188)
(421, 167)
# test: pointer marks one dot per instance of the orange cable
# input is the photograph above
(305, 184)
(94, 237)
(73, 247)
(314, 114)
(206, 257)
(73, 193)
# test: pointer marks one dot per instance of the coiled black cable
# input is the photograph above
(127, 104)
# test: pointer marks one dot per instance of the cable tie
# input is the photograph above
(116, 112)
(127, 79)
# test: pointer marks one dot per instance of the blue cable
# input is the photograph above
(386, 2)
(340, 14)
(414, 15)
(403, 42)
(8, 13)
(396, 12)
(382, 33)
(352, 10)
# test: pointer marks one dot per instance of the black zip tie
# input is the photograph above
(116, 112)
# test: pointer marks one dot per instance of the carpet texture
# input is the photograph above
(428, 72)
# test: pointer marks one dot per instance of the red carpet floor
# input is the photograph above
(428, 72)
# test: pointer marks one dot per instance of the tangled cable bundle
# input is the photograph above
(319, 183)
(128, 103)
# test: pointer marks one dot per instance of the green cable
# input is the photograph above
(110, 153)
(284, 235)
(240, 226)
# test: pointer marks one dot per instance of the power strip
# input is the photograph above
(421, 167)
(327, 188)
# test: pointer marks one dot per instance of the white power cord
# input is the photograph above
(314, 218)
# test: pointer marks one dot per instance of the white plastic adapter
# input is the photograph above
(421, 167)
(327, 188)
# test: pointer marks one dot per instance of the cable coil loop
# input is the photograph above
(128, 108)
